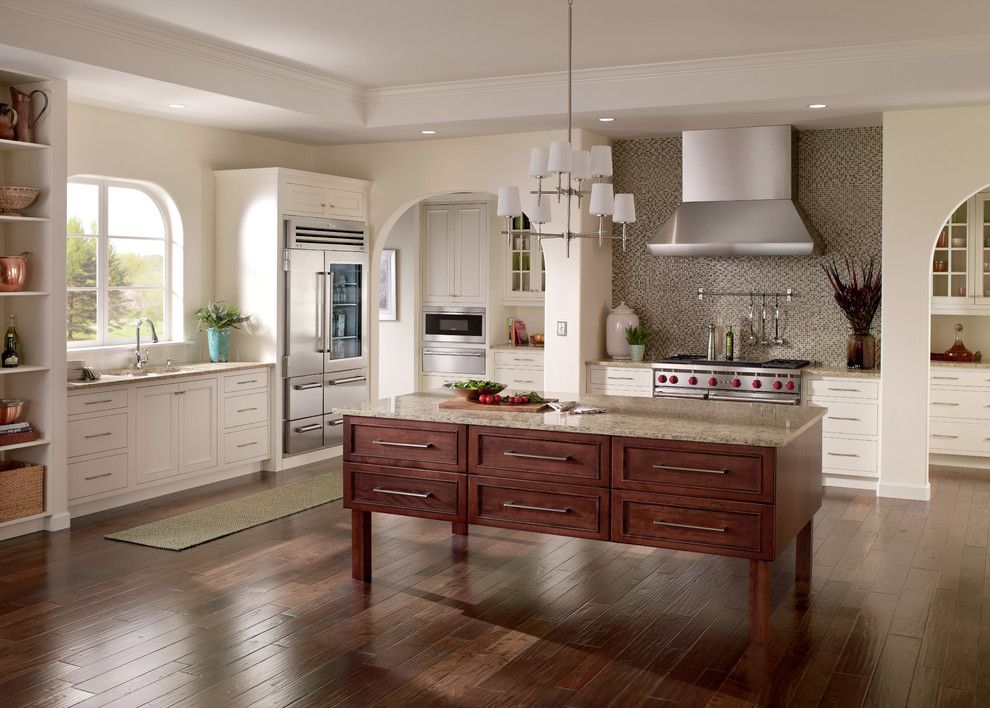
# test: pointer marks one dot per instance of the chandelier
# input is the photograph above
(574, 169)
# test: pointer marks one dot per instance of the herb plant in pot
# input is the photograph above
(217, 319)
(859, 298)
(637, 337)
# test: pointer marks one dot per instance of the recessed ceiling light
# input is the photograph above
(817, 106)
(428, 132)
(177, 105)
(605, 120)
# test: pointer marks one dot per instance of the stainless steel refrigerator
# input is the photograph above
(325, 362)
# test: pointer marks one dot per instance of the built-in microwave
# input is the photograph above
(454, 324)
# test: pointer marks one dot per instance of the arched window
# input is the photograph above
(118, 243)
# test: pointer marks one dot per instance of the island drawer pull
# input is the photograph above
(715, 529)
(245, 410)
(513, 505)
(248, 444)
(689, 469)
(843, 454)
(418, 495)
(307, 387)
(847, 390)
(839, 417)
(98, 476)
(97, 435)
(528, 456)
(944, 403)
(947, 437)
(308, 428)
(389, 443)
(95, 403)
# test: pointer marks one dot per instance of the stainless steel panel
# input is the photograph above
(326, 234)
(454, 361)
(303, 397)
(736, 164)
(431, 334)
(303, 435)
(345, 389)
(304, 317)
(333, 430)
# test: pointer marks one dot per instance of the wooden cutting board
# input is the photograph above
(462, 404)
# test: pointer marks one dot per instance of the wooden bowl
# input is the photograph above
(472, 394)
(14, 198)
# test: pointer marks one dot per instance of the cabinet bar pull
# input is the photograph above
(245, 410)
(946, 378)
(947, 437)
(417, 446)
(848, 390)
(248, 444)
(97, 435)
(335, 423)
(524, 381)
(943, 403)
(716, 529)
(418, 495)
(688, 469)
(620, 378)
(527, 456)
(843, 454)
(308, 428)
(241, 383)
(98, 476)
(839, 417)
(306, 387)
(513, 505)
(93, 403)
(351, 379)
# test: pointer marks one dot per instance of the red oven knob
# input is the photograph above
(789, 385)
(757, 383)
(693, 380)
(736, 383)
(713, 381)
(777, 385)
(661, 379)
(673, 379)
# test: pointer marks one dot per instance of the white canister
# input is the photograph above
(618, 321)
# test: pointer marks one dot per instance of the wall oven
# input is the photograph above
(455, 325)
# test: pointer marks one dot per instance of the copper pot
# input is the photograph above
(8, 119)
(11, 410)
(13, 272)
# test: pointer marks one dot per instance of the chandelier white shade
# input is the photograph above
(508, 202)
(602, 200)
(539, 210)
(601, 160)
(539, 159)
(625, 209)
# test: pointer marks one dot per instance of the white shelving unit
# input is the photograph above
(40, 308)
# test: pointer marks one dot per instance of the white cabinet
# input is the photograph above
(246, 429)
(519, 369)
(850, 428)
(525, 272)
(455, 253)
(959, 412)
(620, 381)
(156, 418)
(198, 440)
(317, 197)
(960, 268)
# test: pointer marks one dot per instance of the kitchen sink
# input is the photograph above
(144, 373)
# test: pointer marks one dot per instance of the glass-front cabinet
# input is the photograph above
(960, 266)
(526, 270)
(345, 294)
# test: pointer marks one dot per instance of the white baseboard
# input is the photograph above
(58, 522)
(968, 461)
(916, 492)
(829, 480)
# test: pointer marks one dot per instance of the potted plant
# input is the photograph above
(859, 298)
(637, 337)
(218, 319)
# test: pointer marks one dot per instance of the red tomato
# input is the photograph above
(496, 398)
(484, 398)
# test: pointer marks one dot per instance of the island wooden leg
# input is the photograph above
(459, 528)
(361, 545)
(802, 560)
(759, 601)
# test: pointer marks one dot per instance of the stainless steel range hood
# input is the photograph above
(737, 197)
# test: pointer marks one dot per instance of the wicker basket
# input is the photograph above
(12, 199)
(22, 489)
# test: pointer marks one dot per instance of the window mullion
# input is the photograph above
(103, 269)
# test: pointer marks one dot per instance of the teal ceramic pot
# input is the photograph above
(219, 341)
(637, 351)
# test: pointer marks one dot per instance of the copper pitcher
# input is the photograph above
(22, 102)
(13, 272)
(8, 119)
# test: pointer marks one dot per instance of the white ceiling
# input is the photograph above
(329, 71)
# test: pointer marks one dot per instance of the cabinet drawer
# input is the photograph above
(524, 358)
(239, 383)
(845, 417)
(533, 506)
(433, 495)
(955, 438)
(245, 410)
(104, 474)
(683, 468)
(959, 376)
(845, 388)
(720, 527)
(97, 401)
(551, 457)
(846, 454)
(517, 379)
(621, 376)
(248, 444)
(97, 434)
(434, 446)
(959, 403)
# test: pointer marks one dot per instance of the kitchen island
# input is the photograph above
(734, 479)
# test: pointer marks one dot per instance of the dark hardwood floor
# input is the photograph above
(898, 614)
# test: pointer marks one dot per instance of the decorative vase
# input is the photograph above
(219, 341)
(637, 351)
(861, 351)
(618, 321)
(26, 117)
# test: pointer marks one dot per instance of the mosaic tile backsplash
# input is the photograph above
(839, 190)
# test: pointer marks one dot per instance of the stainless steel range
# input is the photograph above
(688, 376)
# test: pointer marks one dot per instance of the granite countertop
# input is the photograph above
(117, 377)
(756, 424)
(524, 348)
(841, 371)
(961, 365)
(622, 363)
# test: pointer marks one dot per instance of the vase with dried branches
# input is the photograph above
(857, 293)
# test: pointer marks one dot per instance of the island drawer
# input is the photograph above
(727, 528)
(536, 455)
(534, 506)
(404, 443)
(693, 469)
(433, 495)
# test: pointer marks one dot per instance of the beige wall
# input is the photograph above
(180, 158)
(933, 160)
(397, 370)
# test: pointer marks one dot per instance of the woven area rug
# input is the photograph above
(177, 533)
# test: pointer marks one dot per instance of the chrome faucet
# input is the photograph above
(140, 361)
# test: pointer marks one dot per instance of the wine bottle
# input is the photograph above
(729, 343)
(11, 356)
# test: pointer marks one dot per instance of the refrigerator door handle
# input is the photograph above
(326, 323)
(321, 327)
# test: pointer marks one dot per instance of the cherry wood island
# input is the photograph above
(734, 479)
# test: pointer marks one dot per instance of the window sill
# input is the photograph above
(126, 347)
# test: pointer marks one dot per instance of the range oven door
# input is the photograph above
(669, 392)
(454, 361)
(784, 399)
(461, 325)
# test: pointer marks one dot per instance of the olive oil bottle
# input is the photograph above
(730, 341)
(11, 356)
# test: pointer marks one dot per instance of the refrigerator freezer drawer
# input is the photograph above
(303, 397)
(453, 361)
(303, 435)
(345, 389)
(333, 430)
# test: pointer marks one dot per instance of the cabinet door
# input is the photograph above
(438, 248)
(525, 270)
(155, 432)
(470, 261)
(344, 203)
(305, 199)
(197, 426)
(981, 250)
